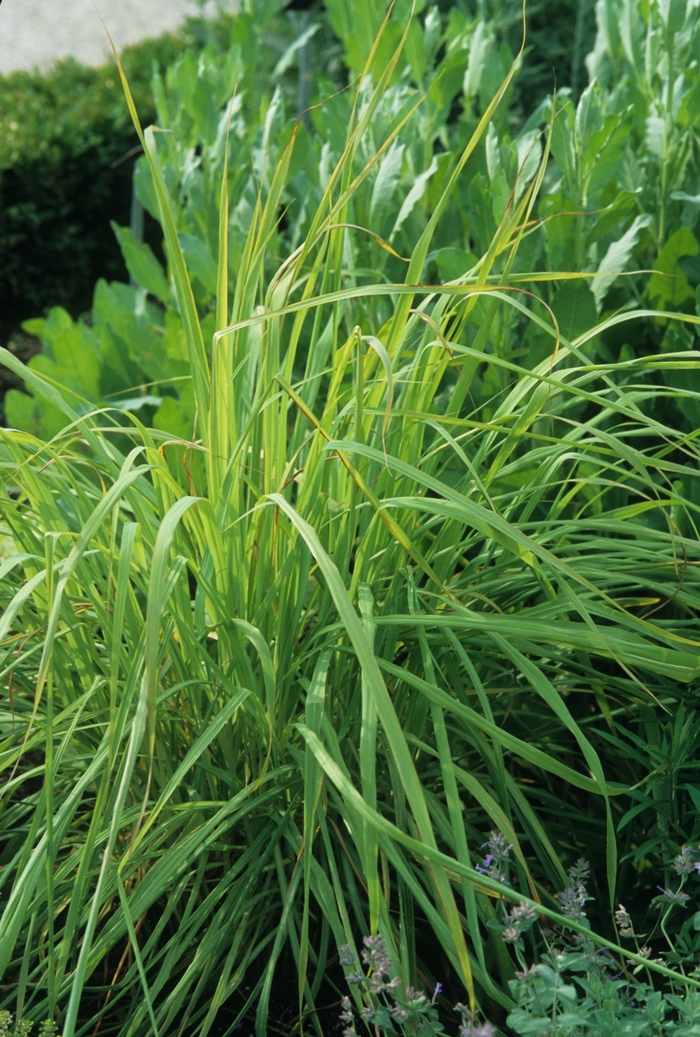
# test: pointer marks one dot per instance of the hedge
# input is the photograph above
(66, 163)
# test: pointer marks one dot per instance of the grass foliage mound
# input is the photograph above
(272, 681)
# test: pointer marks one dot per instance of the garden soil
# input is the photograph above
(35, 33)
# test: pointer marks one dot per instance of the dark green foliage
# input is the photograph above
(55, 186)
(66, 165)
(560, 34)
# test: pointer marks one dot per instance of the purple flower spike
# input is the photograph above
(438, 990)
(573, 898)
(498, 850)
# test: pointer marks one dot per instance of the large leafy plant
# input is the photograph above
(627, 159)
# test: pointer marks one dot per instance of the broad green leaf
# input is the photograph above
(669, 288)
(616, 259)
(142, 264)
(385, 183)
(199, 260)
(574, 307)
(414, 196)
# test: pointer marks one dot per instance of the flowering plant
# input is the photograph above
(575, 988)
(386, 1003)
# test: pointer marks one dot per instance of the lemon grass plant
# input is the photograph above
(268, 684)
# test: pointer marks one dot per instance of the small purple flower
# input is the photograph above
(683, 863)
(523, 915)
(471, 1029)
(376, 983)
(482, 1030)
(413, 995)
(496, 845)
(645, 952)
(375, 956)
(436, 992)
(603, 959)
(346, 1016)
(668, 897)
(624, 922)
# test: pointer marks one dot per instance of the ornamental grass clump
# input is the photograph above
(271, 680)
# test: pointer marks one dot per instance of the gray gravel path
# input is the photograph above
(34, 33)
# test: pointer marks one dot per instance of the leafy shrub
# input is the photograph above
(55, 186)
(65, 166)
(560, 34)
(127, 350)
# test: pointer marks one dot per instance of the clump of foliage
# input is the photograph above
(375, 579)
